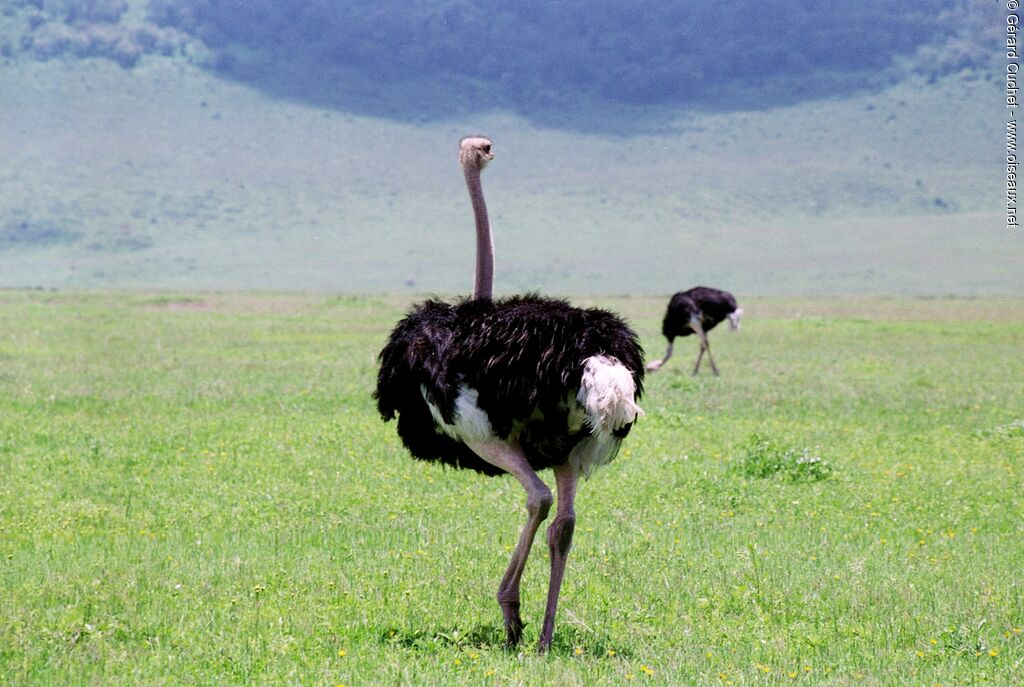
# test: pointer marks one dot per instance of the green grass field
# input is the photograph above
(196, 489)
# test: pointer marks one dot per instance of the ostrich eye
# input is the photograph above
(487, 149)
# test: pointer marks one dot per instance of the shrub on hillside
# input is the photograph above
(92, 28)
(86, 40)
(71, 11)
(27, 233)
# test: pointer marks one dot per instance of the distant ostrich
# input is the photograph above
(513, 386)
(699, 310)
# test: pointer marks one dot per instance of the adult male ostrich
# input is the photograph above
(699, 310)
(513, 386)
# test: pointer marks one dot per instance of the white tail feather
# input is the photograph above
(607, 392)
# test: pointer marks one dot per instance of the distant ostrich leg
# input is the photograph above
(698, 310)
(513, 386)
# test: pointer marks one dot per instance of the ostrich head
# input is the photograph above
(475, 151)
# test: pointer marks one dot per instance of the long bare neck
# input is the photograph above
(483, 286)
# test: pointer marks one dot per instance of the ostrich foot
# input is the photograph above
(513, 626)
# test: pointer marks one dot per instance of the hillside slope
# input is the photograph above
(167, 176)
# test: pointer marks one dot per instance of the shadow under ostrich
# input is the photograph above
(698, 310)
(515, 385)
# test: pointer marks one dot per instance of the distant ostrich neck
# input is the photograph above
(483, 286)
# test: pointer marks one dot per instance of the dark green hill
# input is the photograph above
(575, 65)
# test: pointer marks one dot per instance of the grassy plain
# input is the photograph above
(196, 490)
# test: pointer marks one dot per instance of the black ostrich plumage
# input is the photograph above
(710, 305)
(524, 355)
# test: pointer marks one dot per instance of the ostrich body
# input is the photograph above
(697, 311)
(514, 385)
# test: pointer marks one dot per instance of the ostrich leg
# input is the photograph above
(559, 541)
(700, 355)
(696, 326)
(538, 502)
(711, 360)
(704, 345)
